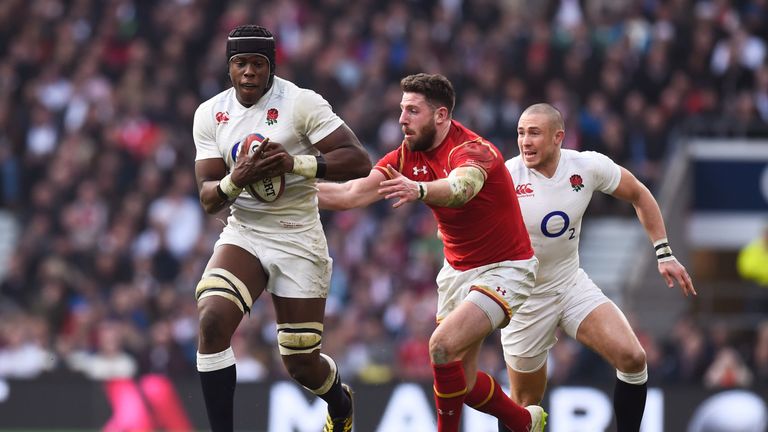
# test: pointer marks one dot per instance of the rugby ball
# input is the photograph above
(265, 190)
(268, 189)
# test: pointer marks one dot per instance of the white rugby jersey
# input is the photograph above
(294, 117)
(553, 207)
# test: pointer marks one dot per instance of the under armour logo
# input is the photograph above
(422, 170)
(502, 291)
(448, 413)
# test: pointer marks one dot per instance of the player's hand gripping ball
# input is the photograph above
(268, 189)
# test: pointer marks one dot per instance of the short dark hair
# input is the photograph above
(554, 114)
(253, 39)
(437, 89)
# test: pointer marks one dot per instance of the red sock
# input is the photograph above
(486, 396)
(450, 390)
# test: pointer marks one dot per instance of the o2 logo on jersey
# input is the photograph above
(556, 223)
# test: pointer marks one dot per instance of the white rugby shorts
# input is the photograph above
(510, 282)
(531, 332)
(297, 263)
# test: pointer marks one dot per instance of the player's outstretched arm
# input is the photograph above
(351, 194)
(648, 212)
(462, 184)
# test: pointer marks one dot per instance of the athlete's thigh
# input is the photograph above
(232, 281)
(236, 251)
(241, 263)
(299, 270)
(607, 331)
(464, 328)
(299, 310)
(594, 320)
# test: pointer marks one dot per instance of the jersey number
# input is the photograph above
(566, 224)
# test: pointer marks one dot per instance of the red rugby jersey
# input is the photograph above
(487, 229)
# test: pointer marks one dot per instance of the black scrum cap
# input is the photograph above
(253, 39)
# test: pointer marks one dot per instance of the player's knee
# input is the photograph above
(299, 345)
(526, 365)
(300, 367)
(440, 349)
(632, 360)
(212, 327)
(218, 318)
(299, 338)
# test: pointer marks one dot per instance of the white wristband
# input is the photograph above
(663, 251)
(305, 166)
(229, 188)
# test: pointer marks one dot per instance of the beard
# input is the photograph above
(424, 139)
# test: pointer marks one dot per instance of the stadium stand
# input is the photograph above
(96, 106)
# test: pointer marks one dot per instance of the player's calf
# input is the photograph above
(296, 341)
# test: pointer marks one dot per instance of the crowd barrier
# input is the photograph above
(156, 403)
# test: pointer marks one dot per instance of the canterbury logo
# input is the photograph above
(422, 170)
(222, 117)
(524, 189)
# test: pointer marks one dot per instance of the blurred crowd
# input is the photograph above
(96, 106)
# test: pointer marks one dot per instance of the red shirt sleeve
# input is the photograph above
(476, 153)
